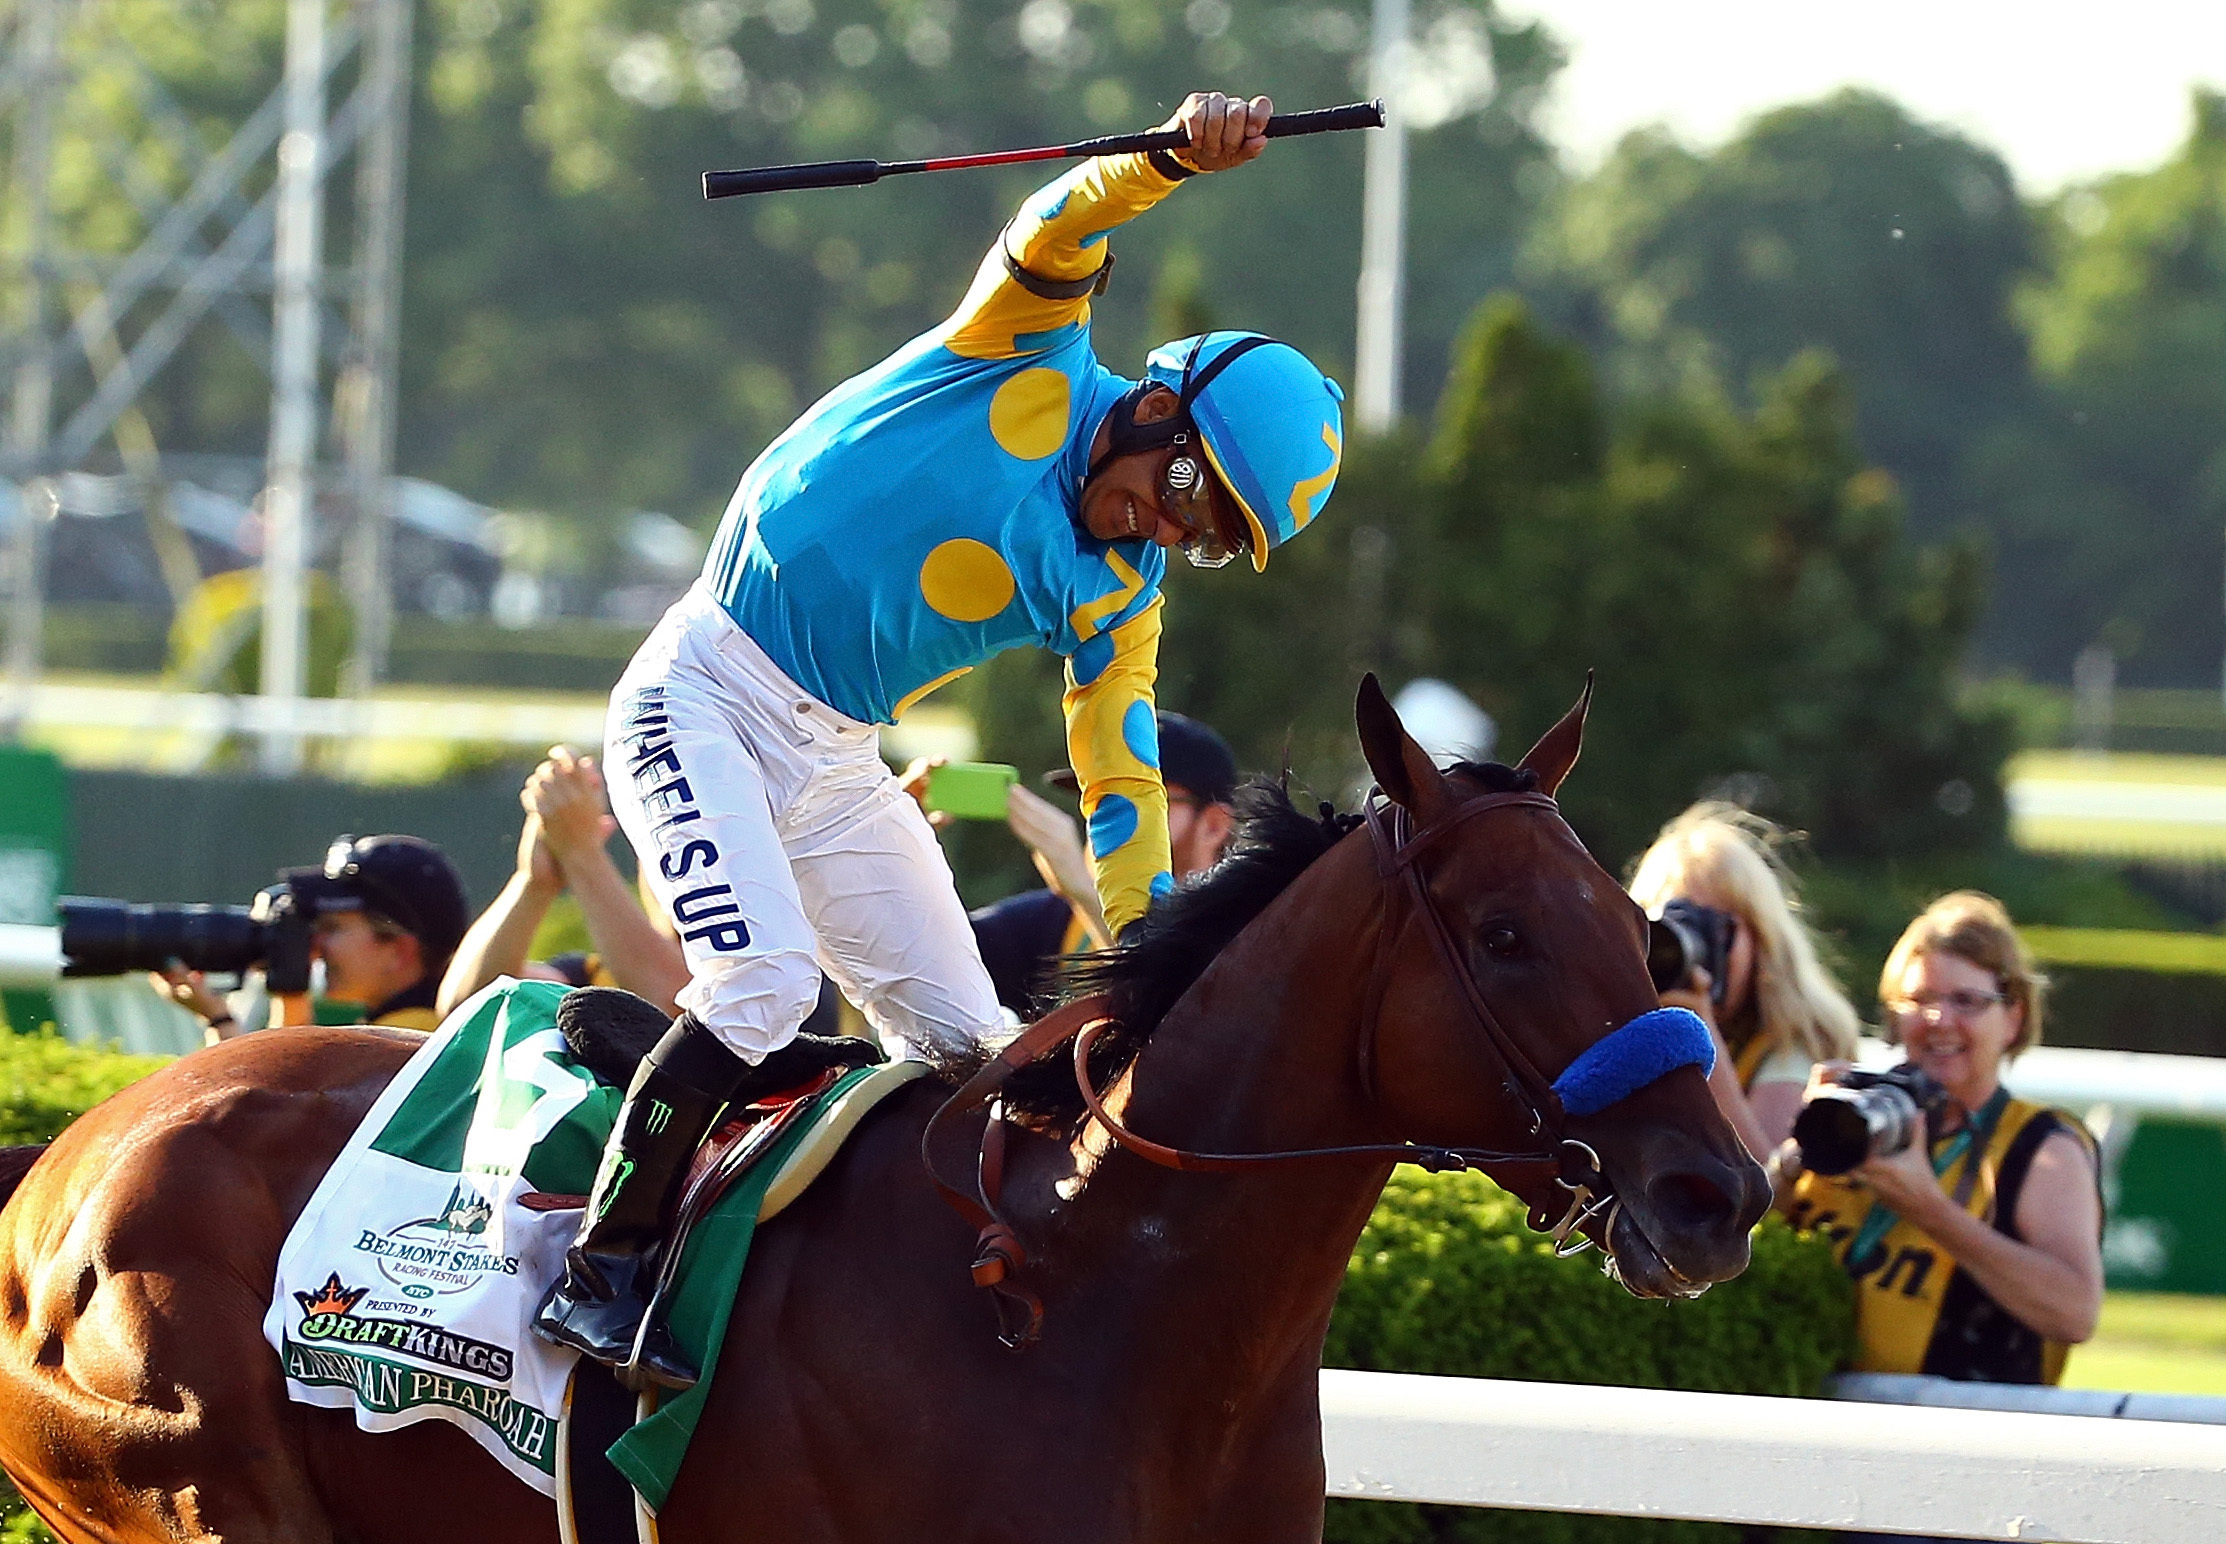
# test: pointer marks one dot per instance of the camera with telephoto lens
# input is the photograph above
(1867, 1115)
(1686, 937)
(114, 938)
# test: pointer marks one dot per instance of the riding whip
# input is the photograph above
(858, 174)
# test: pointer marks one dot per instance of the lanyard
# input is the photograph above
(1965, 1144)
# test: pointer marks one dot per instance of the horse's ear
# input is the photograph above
(1402, 768)
(1556, 750)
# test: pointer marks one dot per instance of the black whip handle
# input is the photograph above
(858, 174)
(777, 179)
(1320, 120)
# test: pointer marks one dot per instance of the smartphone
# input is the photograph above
(971, 790)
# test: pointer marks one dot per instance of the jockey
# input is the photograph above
(989, 485)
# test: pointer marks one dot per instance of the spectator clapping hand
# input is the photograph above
(562, 847)
(566, 802)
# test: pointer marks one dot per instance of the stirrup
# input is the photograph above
(656, 1360)
(618, 1332)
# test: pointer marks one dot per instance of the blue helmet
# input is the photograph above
(1270, 423)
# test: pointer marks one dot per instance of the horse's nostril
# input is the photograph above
(1686, 1199)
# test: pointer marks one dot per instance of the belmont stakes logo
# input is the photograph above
(435, 1256)
(329, 1317)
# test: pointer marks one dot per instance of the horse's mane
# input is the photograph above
(1162, 955)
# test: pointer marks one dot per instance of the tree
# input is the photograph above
(2112, 497)
(1741, 582)
(1843, 224)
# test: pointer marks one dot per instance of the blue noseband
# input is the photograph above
(1618, 1065)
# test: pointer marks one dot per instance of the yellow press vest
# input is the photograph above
(1915, 1311)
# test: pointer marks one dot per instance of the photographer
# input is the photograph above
(1975, 1243)
(384, 914)
(1730, 944)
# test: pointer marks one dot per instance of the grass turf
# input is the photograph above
(2156, 1343)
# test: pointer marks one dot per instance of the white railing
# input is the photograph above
(1984, 1474)
(1908, 1388)
(200, 721)
(214, 715)
(29, 956)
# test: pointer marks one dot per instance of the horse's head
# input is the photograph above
(1507, 954)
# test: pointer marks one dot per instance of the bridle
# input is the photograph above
(1398, 847)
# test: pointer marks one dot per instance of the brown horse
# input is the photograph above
(862, 1394)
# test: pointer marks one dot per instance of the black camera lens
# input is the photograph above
(112, 938)
(1688, 937)
(1834, 1134)
(1866, 1115)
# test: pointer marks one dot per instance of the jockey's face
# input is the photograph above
(1122, 502)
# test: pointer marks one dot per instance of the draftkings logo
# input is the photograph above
(329, 1317)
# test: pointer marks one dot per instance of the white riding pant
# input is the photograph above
(780, 844)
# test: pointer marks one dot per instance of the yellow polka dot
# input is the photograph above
(966, 580)
(1028, 415)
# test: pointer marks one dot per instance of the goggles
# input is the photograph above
(1186, 495)
(1186, 481)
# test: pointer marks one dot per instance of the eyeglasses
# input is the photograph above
(1186, 494)
(1961, 1005)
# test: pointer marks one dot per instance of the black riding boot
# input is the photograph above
(610, 1270)
(678, 1091)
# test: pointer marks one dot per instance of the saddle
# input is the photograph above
(727, 1154)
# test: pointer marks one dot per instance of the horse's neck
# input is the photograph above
(1232, 1276)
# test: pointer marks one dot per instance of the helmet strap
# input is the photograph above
(1128, 437)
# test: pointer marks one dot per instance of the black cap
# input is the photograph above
(405, 879)
(1192, 757)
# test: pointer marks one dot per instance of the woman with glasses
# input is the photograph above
(1977, 1251)
(1778, 1011)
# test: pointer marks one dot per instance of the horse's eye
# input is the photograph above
(1502, 940)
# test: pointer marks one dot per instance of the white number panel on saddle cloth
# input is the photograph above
(406, 1288)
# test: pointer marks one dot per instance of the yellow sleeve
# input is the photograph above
(1113, 743)
(1058, 238)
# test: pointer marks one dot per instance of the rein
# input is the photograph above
(1572, 1164)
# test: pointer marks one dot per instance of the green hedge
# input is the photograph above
(1447, 1280)
(46, 1082)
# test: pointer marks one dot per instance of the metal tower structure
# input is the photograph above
(86, 334)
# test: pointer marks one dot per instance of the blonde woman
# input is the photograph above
(1778, 1012)
(1976, 1253)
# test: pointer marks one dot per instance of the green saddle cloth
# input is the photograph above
(498, 1073)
